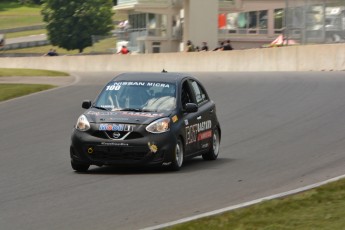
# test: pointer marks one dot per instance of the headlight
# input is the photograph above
(82, 123)
(159, 126)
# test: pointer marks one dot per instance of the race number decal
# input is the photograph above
(113, 87)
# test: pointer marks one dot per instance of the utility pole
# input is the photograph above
(286, 29)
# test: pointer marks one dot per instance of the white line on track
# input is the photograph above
(245, 204)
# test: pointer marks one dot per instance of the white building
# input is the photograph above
(165, 25)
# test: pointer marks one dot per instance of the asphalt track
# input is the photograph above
(281, 131)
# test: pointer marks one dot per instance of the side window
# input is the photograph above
(199, 92)
(186, 96)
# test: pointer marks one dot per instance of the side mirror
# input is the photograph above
(191, 108)
(86, 104)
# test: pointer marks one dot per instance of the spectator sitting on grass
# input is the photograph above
(51, 52)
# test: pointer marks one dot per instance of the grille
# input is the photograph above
(110, 135)
(123, 153)
(134, 135)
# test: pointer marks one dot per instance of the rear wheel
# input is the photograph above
(79, 167)
(214, 150)
(178, 156)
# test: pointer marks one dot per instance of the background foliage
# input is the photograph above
(71, 24)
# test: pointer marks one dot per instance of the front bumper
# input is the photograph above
(152, 149)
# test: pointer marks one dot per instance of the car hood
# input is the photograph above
(128, 117)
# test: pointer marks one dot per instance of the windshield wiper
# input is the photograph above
(101, 108)
(131, 109)
(136, 110)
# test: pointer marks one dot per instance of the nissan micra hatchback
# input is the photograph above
(146, 119)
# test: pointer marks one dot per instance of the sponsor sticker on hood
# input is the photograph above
(116, 127)
(123, 116)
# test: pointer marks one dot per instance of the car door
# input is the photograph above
(190, 119)
(205, 116)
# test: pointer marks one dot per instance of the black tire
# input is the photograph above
(178, 156)
(213, 153)
(79, 167)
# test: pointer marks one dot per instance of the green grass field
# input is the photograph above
(13, 14)
(25, 33)
(9, 72)
(9, 91)
(322, 208)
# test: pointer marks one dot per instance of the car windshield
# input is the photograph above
(137, 96)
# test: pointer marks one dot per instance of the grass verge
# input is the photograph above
(13, 14)
(320, 208)
(9, 91)
(25, 33)
(9, 72)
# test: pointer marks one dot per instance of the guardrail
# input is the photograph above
(24, 45)
(19, 29)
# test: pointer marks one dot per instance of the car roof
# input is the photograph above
(151, 76)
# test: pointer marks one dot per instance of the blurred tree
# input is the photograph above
(71, 23)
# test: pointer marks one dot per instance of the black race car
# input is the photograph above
(146, 119)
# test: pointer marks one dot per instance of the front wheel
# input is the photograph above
(213, 153)
(178, 156)
(79, 167)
